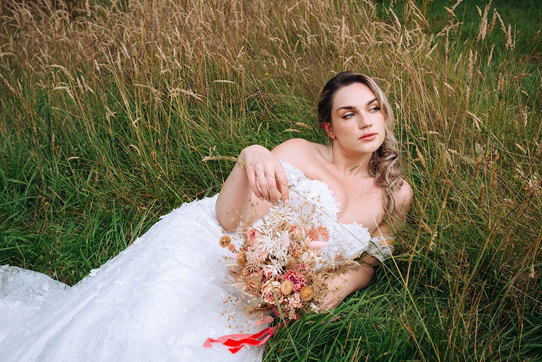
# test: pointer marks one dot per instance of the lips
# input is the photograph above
(368, 136)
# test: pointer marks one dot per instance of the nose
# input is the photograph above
(364, 121)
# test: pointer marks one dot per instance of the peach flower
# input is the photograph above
(269, 290)
(252, 235)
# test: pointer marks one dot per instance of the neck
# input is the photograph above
(350, 164)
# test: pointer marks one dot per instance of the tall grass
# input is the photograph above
(112, 115)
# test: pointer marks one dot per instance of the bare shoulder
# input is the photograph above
(296, 151)
(403, 197)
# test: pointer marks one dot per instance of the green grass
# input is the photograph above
(112, 118)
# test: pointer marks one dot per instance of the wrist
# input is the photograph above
(360, 277)
(352, 285)
(343, 283)
(240, 164)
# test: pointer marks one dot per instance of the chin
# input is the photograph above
(374, 147)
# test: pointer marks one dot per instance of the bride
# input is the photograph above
(162, 297)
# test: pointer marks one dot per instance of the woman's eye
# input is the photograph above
(348, 115)
(375, 109)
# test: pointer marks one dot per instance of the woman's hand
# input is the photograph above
(257, 175)
(342, 285)
(265, 173)
(338, 289)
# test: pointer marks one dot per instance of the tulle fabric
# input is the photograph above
(159, 299)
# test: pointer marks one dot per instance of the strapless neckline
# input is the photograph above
(332, 193)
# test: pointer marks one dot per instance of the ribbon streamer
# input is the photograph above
(237, 341)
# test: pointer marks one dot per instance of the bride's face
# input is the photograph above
(357, 121)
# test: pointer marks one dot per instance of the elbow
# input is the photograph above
(228, 227)
(223, 217)
(227, 223)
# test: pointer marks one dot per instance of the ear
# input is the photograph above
(329, 130)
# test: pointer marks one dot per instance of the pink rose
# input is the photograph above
(269, 290)
(297, 280)
(252, 235)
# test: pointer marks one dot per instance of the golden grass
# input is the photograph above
(467, 119)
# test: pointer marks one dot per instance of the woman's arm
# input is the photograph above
(347, 283)
(256, 181)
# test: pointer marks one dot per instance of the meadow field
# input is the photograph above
(113, 113)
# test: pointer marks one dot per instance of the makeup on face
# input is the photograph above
(357, 119)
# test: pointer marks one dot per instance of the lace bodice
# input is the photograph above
(314, 198)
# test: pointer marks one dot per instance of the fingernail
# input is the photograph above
(286, 201)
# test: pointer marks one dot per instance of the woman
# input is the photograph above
(360, 167)
(164, 295)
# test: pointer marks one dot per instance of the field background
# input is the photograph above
(113, 113)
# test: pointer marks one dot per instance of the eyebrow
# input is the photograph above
(349, 108)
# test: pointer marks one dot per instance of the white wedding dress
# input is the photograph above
(159, 299)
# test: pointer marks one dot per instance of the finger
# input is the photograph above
(262, 184)
(324, 304)
(282, 184)
(272, 186)
(251, 174)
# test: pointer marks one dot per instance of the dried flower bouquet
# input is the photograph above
(279, 265)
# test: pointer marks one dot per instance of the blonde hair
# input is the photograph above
(385, 162)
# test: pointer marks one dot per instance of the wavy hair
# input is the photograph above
(385, 162)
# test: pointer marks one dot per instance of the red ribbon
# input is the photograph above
(237, 341)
